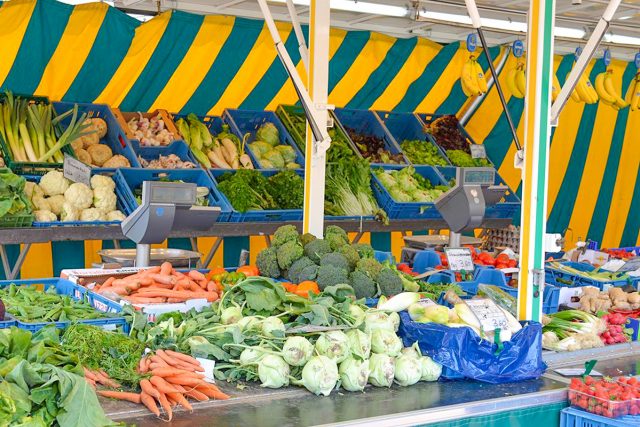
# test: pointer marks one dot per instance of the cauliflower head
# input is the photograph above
(92, 214)
(29, 186)
(79, 195)
(39, 203)
(104, 199)
(102, 181)
(69, 212)
(55, 203)
(54, 183)
(45, 216)
(115, 216)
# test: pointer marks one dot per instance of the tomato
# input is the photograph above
(249, 270)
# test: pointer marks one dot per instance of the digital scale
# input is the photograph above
(165, 206)
(463, 206)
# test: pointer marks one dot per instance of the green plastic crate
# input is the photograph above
(14, 221)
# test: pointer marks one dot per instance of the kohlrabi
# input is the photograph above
(408, 370)
(273, 371)
(384, 341)
(273, 327)
(231, 315)
(382, 369)
(431, 370)
(320, 375)
(297, 351)
(354, 374)
(334, 345)
(359, 343)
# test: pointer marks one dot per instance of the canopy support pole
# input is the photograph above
(537, 131)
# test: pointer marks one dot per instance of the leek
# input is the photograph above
(569, 322)
(73, 132)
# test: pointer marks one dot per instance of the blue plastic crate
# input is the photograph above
(634, 249)
(78, 293)
(382, 256)
(508, 207)
(242, 122)
(406, 126)
(213, 123)
(131, 179)
(406, 210)
(365, 122)
(8, 321)
(257, 215)
(179, 148)
(448, 276)
(572, 417)
(116, 138)
(550, 299)
(120, 204)
(424, 260)
(579, 280)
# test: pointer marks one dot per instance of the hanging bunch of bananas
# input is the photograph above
(472, 78)
(584, 91)
(517, 80)
(633, 95)
(607, 93)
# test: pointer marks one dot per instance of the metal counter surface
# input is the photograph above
(418, 404)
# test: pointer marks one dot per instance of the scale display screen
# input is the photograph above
(179, 194)
(478, 176)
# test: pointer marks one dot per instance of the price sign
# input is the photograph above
(472, 42)
(518, 48)
(426, 302)
(490, 316)
(76, 171)
(636, 60)
(459, 259)
(478, 151)
(606, 57)
(632, 265)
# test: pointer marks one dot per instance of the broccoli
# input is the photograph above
(335, 259)
(329, 275)
(365, 250)
(336, 237)
(351, 255)
(362, 285)
(297, 267)
(284, 234)
(370, 267)
(307, 238)
(308, 273)
(389, 282)
(316, 249)
(287, 253)
(267, 263)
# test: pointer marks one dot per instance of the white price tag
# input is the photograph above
(490, 316)
(632, 265)
(478, 151)
(209, 366)
(76, 171)
(426, 302)
(576, 372)
(459, 259)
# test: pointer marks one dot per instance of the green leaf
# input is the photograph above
(321, 315)
(78, 402)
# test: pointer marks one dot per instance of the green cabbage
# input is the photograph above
(268, 133)
(273, 157)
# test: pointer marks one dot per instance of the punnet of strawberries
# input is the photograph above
(607, 397)
(615, 333)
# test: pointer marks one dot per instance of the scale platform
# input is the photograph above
(437, 241)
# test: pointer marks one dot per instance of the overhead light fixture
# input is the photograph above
(359, 6)
(615, 38)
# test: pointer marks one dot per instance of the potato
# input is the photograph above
(77, 144)
(99, 154)
(117, 161)
(89, 140)
(83, 156)
(99, 126)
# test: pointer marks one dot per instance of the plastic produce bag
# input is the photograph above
(462, 351)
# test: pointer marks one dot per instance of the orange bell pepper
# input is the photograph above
(304, 288)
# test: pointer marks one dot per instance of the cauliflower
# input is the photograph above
(54, 183)
(92, 214)
(102, 181)
(36, 191)
(39, 203)
(117, 161)
(115, 216)
(104, 199)
(69, 212)
(79, 195)
(28, 189)
(45, 216)
(55, 203)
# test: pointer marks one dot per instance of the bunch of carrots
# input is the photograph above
(161, 285)
(169, 378)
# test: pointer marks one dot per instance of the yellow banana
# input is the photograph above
(608, 85)
(511, 83)
(481, 81)
(592, 95)
(583, 93)
(555, 88)
(521, 80)
(468, 80)
(635, 94)
(603, 93)
(575, 96)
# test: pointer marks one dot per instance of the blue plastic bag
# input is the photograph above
(465, 353)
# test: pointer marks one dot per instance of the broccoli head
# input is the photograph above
(329, 275)
(336, 237)
(335, 259)
(365, 250)
(308, 273)
(307, 238)
(362, 285)
(350, 254)
(369, 266)
(297, 267)
(267, 263)
(316, 249)
(284, 234)
(288, 253)
(389, 282)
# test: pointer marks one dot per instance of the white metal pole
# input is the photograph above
(315, 160)
(302, 45)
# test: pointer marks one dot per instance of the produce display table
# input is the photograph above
(27, 236)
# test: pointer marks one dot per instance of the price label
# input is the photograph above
(490, 316)
(459, 259)
(478, 151)
(518, 48)
(632, 265)
(426, 302)
(472, 42)
(606, 57)
(208, 366)
(76, 171)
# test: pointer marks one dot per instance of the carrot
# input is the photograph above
(145, 281)
(148, 388)
(182, 356)
(157, 359)
(108, 282)
(141, 366)
(165, 268)
(175, 300)
(120, 395)
(212, 392)
(162, 355)
(166, 280)
(195, 394)
(89, 375)
(155, 365)
(212, 287)
(115, 289)
(134, 299)
(165, 405)
(152, 270)
(184, 380)
(196, 275)
(161, 385)
(179, 388)
(170, 371)
(91, 382)
(148, 401)
(203, 284)
(178, 397)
